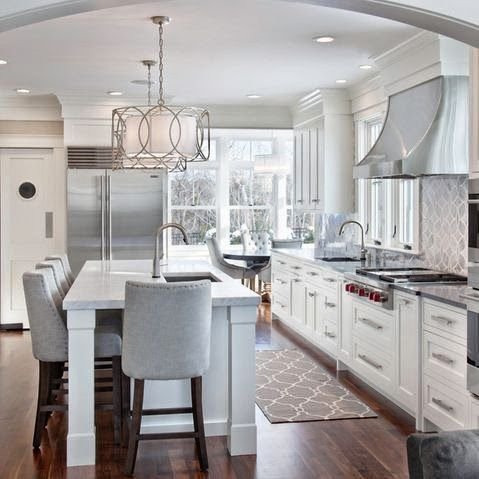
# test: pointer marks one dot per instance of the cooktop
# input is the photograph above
(411, 275)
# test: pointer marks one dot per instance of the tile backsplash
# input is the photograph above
(443, 229)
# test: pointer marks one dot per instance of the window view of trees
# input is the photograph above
(247, 184)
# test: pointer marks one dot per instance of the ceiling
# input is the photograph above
(217, 51)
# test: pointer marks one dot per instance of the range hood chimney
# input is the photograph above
(425, 132)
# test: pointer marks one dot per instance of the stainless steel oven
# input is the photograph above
(473, 237)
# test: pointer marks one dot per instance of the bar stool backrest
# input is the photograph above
(56, 266)
(166, 330)
(47, 327)
(65, 264)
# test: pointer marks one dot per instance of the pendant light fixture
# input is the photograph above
(159, 136)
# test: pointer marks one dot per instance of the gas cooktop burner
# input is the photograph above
(410, 275)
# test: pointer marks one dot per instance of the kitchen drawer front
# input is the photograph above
(329, 337)
(375, 326)
(313, 274)
(330, 306)
(444, 406)
(444, 359)
(373, 364)
(280, 305)
(443, 320)
(279, 263)
(330, 280)
(280, 283)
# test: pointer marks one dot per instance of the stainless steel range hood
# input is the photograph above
(425, 132)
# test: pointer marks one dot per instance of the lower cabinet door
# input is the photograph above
(298, 301)
(329, 338)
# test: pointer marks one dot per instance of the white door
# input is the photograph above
(27, 223)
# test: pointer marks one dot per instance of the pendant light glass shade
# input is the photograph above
(159, 136)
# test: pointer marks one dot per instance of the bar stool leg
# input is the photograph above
(197, 404)
(135, 426)
(117, 398)
(44, 388)
(125, 406)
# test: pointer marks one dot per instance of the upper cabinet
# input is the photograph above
(474, 112)
(323, 153)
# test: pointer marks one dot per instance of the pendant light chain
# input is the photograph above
(161, 100)
(149, 84)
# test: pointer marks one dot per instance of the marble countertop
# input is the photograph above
(101, 284)
(447, 293)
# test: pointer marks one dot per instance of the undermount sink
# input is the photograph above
(190, 277)
(338, 259)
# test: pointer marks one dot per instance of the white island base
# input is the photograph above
(228, 386)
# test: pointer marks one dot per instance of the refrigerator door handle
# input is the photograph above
(102, 215)
(108, 179)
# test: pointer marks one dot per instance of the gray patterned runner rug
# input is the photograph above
(290, 387)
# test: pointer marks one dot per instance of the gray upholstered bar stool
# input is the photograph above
(50, 347)
(60, 278)
(65, 264)
(166, 335)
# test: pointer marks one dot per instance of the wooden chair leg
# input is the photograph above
(135, 426)
(44, 392)
(117, 399)
(125, 392)
(197, 404)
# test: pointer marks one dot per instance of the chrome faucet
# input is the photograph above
(159, 245)
(363, 249)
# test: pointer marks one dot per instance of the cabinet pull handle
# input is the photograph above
(370, 323)
(394, 231)
(330, 280)
(442, 404)
(329, 335)
(441, 319)
(406, 302)
(296, 280)
(329, 305)
(281, 262)
(311, 295)
(316, 200)
(372, 363)
(281, 305)
(296, 267)
(300, 201)
(312, 273)
(280, 281)
(443, 358)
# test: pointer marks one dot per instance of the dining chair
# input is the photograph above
(218, 261)
(65, 265)
(49, 338)
(258, 242)
(166, 336)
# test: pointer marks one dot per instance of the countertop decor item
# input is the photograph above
(159, 136)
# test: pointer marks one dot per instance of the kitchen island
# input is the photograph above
(228, 386)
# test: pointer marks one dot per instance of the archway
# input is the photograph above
(427, 19)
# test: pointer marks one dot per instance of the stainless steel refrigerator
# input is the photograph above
(114, 214)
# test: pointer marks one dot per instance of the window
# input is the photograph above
(405, 228)
(246, 184)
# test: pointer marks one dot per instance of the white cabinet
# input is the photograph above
(473, 421)
(345, 329)
(474, 112)
(407, 349)
(298, 301)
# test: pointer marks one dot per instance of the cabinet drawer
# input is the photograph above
(444, 359)
(279, 263)
(374, 364)
(444, 406)
(329, 280)
(374, 326)
(280, 283)
(440, 319)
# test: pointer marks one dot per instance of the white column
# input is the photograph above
(81, 398)
(242, 381)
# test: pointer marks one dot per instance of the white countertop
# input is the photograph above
(101, 284)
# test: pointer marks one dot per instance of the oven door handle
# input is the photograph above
(473, 202)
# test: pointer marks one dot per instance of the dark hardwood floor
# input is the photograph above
(357, 448)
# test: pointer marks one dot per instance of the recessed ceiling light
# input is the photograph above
(253, 96)
(115, 93)
(22, 90)
(323, 39)
(3, 62)
(341, 81)
(365, 67)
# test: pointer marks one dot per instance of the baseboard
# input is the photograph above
(11, 327)
(155, 425)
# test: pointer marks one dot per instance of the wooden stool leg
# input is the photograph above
(197, 404)
(44, 388)
(125, 392)
(135, 426)
(117, 399)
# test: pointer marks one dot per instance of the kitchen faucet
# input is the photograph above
(363, 249)
(159, 245)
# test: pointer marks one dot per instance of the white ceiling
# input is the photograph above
(217, 51)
